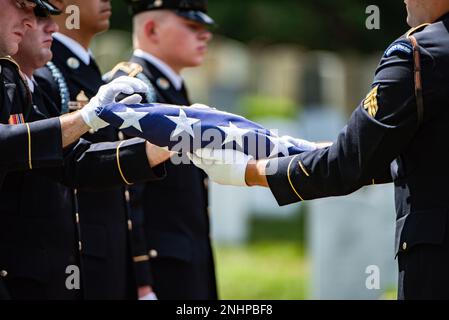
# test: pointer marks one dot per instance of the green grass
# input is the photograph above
(271, 271)
(272, 266)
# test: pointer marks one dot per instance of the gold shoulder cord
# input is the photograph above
(417, 72)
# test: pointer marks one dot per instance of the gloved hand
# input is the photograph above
(201, 106)
(227, 167)
(134, 99)
(107, 94)
(300, 143)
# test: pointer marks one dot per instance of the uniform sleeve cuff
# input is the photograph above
(143, 274)
(132, 163)
(45, 143)
(280, 181)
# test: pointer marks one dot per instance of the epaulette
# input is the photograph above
(133, 70)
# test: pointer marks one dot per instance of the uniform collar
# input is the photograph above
(74, 46)
(173, 77)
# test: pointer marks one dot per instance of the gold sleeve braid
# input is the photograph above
(119, 165)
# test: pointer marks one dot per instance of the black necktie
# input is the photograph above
(93, 65)
(184, 92)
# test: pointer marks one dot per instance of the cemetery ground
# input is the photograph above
(273, 265)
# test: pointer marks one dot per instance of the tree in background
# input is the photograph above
(314, 24)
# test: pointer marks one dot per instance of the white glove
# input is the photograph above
(201, 106)
(299, 143)
(134, 99)
(107, 94)
(151, 296)
(227, 167)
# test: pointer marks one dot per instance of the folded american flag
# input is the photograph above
(187, 129)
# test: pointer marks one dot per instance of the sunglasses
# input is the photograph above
(25, 4)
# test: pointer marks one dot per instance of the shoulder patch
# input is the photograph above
(402, 46)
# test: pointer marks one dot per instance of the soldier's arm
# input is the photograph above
(32, 145)
(378, 131)
(89, 166)
(72, 128)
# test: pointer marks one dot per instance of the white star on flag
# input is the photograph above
(183, 123)
(131, 118)
(279, 147)
(234, 133)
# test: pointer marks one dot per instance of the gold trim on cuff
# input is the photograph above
(290, 179)
(303, 169)
(30, 162)
(119, 166)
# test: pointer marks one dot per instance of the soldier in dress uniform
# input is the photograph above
(14, 139)
(38, 213)
(71, 80)
(30, 146)
(169, 36)
(399, 132)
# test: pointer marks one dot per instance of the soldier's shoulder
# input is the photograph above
(8, 61)
(124, 68)
(10, 70)
(403, 46)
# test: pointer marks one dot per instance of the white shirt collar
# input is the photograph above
(30, 82)
(174, 78)
(74, 46)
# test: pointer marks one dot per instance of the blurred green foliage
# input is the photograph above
(292, 229)
(314, 24)
(256, 107)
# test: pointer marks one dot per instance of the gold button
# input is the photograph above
(3, 274)
(80, 246)
(92, 131)
(404, 246)
(130, 225)
(153, 253)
